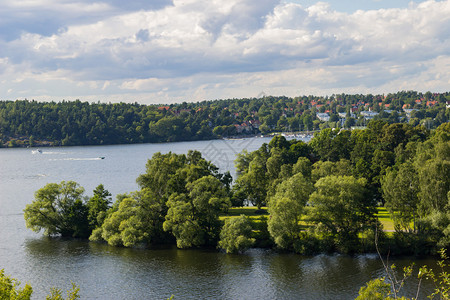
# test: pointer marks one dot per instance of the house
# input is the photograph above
(344, 115)
(323, 117)
(368, 115)
(255, 123)
(431, 103)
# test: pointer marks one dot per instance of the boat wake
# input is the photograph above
(77, 159)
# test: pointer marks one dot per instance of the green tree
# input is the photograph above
(10, 290)
(193, 217)
(254, 182)
(400, 191)
(340, 205)
(236, 235)
(303, 166)
(331, 144)
(432, 162)
(97, 206)
(286, 209)
(326, 168)
(135, 219)
(59, 209)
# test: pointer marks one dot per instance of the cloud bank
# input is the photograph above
(191, 50)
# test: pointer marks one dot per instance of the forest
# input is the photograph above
(316, 197)
(28, 123)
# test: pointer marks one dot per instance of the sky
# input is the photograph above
(163, 51)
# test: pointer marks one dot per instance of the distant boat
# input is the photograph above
(37, 151)
(101, 157)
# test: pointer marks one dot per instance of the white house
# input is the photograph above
(323, 117)
(368, 115)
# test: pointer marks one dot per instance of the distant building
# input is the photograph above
(323, 117)
(344, 115)
(408, 112)
(368, 115)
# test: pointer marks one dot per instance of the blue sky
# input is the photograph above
(165, 51)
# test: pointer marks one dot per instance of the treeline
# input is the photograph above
(29, 123)
(321, 197)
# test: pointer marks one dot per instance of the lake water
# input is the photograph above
(104, 272)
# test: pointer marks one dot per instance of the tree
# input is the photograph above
(169, 173)
(135, 219)
(286, 209)
(97, 206)
(254, 183)
(331, 144)
(434, 178)
(242, 161)
(432, 162)
(160, 171)
(303, 165)
(192, 217)
(10, 290)
(326, 168)
(235, 235)
(400, 191)
(59, 209)
(298, 149)
(339, 204)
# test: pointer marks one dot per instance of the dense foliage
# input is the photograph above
(321, 196)
(28, 123)
(59, 209)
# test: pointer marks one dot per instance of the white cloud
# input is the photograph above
(234, 48)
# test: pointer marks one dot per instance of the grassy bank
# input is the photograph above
(254, 213)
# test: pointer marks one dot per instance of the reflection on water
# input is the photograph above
(121, 273)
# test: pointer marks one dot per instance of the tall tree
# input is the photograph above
(340, 205)
(400, 191)
(97, 206)
(193, 217)
(286, 209)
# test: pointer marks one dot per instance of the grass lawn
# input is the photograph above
(385, 219)
(249, 211)
(253, 212)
